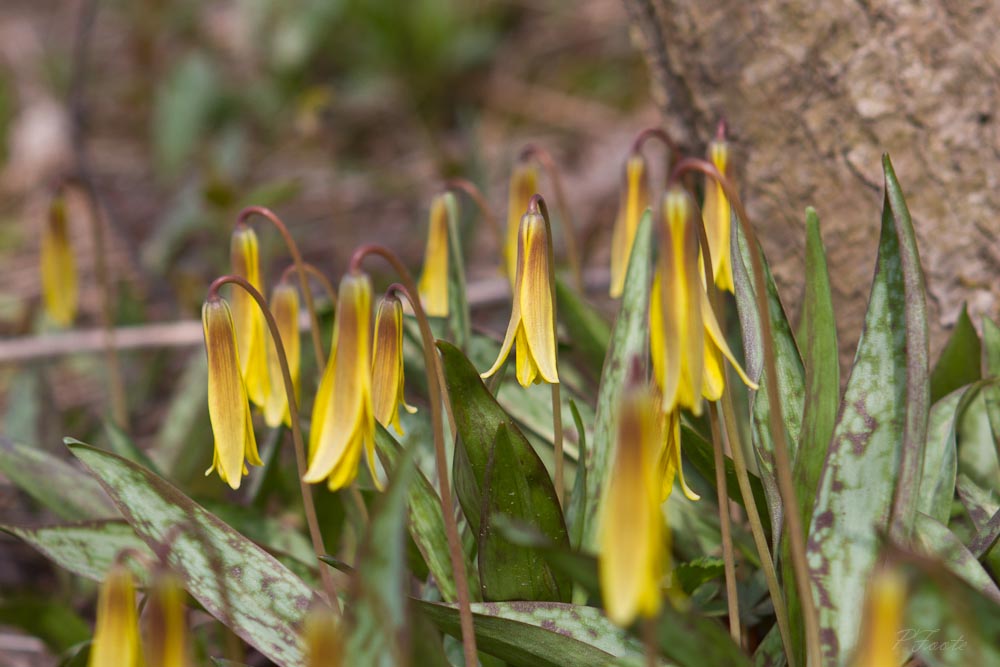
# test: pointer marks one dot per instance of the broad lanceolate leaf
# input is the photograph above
(884, 411)
(478, 417)
(540, 634)
(61, 487)
(577, 498)
(937, 484)
(934, 539)
(86, 549)
(629, 341)
(509, 571)
(791, 374)
(959, 363)
(426, 523)
(991, 368)
(236, 581)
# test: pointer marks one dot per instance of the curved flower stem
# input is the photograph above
(673, 150)
(317, 275)
(476, 195)
(437, 394)
(293, 248)
(783, 467)
(728, 557)
(300, 449)
(569, 230)
(557, 442)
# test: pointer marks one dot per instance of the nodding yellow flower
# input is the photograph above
(632, 536)
(343, 421)
(882, 621)
(167, 640)
(227, 396)
(634, 200)
(251, 331)
(285, 308)
(670, 457)
(387, 364)
(523, 184)
(60, 289)
(433, 285)
(685, 337)
(324, 645)
(718, 220)
(533, 317)
(116, 636)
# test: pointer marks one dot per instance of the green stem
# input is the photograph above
(728, 558)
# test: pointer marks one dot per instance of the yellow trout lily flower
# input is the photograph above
(670, 457)
(285, 308)
(533, 317)
(116, 636)
(685, 337)
(251, 330)
(634, 200)
(321, 635)
(167, 636)
(717, 214)
(882, 621)
(60, 289)
(343, 421)
(228, 409)
(387, 364)
(523, 185)
(632, 536)
(433, 285)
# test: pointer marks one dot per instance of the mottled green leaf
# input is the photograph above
(236, 581)
(693, 574)
(57, 484)
(123, 445)
(818, 342)
(934, 539)
(86, 549)
(589, 332)
(991, 368)
(771, 651)
(937, 484)
(510, 571)
(629, 342)
(884, 411)
(577, 498)
(539, 634)
(51, 620)
(959, 363)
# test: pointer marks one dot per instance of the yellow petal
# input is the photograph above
(718, 219)
(714, 333)
(167, 644)
(348, 419)
(322, 638)
(387, 363)
(249, 321)
(523, 184)
(883, 638)
(634, 201)
(535, 292)
(116, 635)
(433, 285)
(60, 288)
(714, 380)
(527, 369)
(227, 398)
(285, 308)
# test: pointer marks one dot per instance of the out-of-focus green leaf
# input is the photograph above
(508, 571)
(577, 497)
(540, 634)
(181, 111)
(52, 621)
(531, 408)
(273, 194)
(991, 368)
(426, 523)
(818, 342)
(176, 451)
(122, 445)
(57, 484)
(977, 449)
(694, 573)
(934, 539)
(629, 343)
(937, 484)
(458, 303)
(959, 362)
(770, 652)
(236, 581)
(589, 331)
(24, 406)
(879, 436)
(692, 640)
(791, 374)
(378, 607)
(980, 503)
(478, 417)
(86, 549)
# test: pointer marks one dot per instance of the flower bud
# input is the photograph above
(167, 635)
(634, 201)
(324, 644)
(433, 285)
(882, 620)
(387, 364)
(285, 308)
(116, 636)
(718, 217)
(250, 326)
(60, 288)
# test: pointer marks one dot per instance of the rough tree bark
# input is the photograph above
(814, 93)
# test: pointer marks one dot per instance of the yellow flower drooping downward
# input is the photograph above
(251, 332)
(634, 200)
(632, 536)
(167, 640)
(285, 308)
(227, 396)
(533, 317)
(116, 636)
(717, 214)
(387, 364)
(322, 638)
(433, 285)
(882, 622)
(670, 457)
(343, 421)
(60, 288)
(523, 184)
(685, 337)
